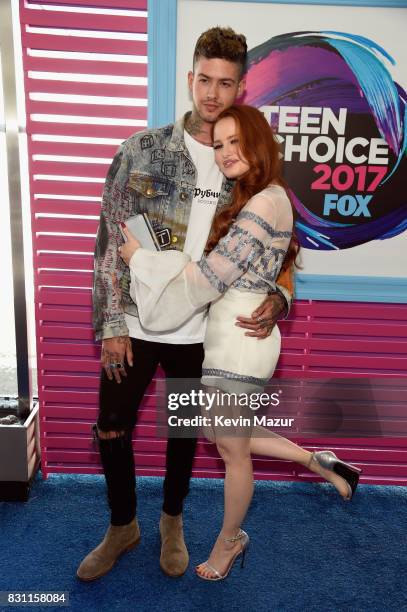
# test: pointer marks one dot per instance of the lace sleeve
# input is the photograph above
(247, 242)
(168, 288)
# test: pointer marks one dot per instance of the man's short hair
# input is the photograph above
(222, 43)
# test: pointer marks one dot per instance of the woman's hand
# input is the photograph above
(127, 249)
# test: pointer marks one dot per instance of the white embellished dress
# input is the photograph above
(234, 278)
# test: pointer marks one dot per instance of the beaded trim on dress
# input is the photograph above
(214, 372)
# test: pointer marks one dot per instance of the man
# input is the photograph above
(169, 173)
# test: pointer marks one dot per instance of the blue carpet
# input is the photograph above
(309, 551)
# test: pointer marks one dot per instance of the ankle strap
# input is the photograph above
(311, 459)
(239, 536)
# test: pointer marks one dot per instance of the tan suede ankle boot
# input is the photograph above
(174, 557)
(118, 540)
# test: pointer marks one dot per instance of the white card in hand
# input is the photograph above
(141, 228)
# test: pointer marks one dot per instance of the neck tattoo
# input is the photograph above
(194, 125)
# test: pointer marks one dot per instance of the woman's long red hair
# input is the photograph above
(260, 148)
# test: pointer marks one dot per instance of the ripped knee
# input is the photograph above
(110, 435)
(107, 435)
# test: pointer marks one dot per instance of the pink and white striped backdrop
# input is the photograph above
(320, 339)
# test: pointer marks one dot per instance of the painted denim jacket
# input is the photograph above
(152, 172)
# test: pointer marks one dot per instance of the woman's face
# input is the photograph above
(228, 155)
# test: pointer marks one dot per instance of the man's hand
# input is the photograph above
(114, 350)
(264, 318)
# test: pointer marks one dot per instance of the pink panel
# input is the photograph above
(62, 168)
(64, 243)
(109, 23)
(78, 365)
(64, 279)
(380, 460)
(79, 149)
(77, 262)
(82, 45)
(76, 226)
(66, 349)
(76, 316)
(38, 186)
(88, 110)
(59, 207)
(113, 90)
(101, 130)
(124, 4)
(320, 340)
(59, 296)
(68, 332)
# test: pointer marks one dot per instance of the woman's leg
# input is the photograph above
(266, 442)
(235, 452)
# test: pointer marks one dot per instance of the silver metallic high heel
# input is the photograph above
(242, 535)
(350, 473)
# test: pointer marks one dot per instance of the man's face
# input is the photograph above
(214, 86)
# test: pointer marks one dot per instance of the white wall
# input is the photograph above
(259, 22)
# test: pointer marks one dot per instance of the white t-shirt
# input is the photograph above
(207, 191)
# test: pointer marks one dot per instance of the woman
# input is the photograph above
(248, 244)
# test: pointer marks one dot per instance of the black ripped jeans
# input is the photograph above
(118, 408)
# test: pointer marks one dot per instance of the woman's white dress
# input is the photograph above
(234, 278)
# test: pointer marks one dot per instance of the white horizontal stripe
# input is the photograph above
(86, 78)
(87, 120)
(73, 159)
(69, 270)
(51, 196)
(87, 10)
(65, 287)
(91, 57)
(66, 234)
(102, 34)
(78, 99)
(46, 252)
(70, 179)
(76, 139)
(61, 216)
(65, 252)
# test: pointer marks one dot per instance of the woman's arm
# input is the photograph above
(168, 288)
